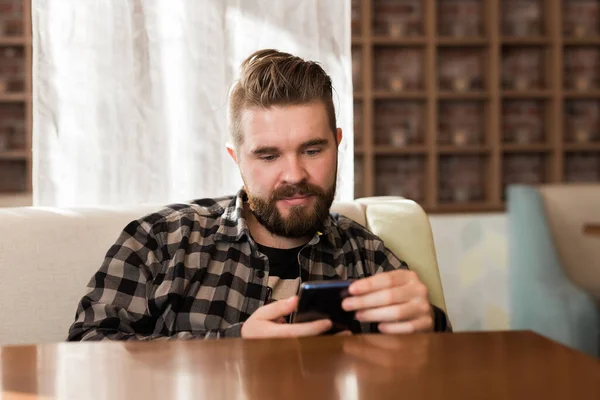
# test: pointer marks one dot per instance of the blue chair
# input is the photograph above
(548, 296)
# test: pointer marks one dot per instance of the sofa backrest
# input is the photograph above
(48, 255)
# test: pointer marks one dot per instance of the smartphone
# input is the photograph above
(323, 300)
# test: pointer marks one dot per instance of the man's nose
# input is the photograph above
(294, 171)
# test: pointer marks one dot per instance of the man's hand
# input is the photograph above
(396, 299)
(266, 322)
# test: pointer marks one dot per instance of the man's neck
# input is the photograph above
(261, 235)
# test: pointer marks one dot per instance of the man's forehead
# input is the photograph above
(278, 125)
(284, 113)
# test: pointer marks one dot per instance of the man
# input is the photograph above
(232, 266)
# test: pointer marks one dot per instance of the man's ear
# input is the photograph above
(231, 152)
(338, 134)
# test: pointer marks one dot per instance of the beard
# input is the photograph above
(302, 220)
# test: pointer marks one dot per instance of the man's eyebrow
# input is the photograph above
(314, 142)
(265, 150)
(272, 149)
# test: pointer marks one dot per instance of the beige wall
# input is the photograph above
(472, 252)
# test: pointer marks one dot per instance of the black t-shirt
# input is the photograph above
(284, 272)
(283, 263)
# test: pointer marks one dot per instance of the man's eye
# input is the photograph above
(313, 152)
(268, 158)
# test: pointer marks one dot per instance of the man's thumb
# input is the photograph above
(277, 309)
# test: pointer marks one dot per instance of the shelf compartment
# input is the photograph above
(581, 18)
(461, 123)
(524, 121)
(397, 70)
(582, 167)
(461, 70)
(401, 176)
(12, 70)
(13, 131)
(582, 121)
(13, 176)
(522, 18)
(463, 179)
(523, 68)
(399, 123)
(460, 18)
(398, 18)
(582, 69)
(11, 19)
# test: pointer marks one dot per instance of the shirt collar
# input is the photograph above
(233, 225)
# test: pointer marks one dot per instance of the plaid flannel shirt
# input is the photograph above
(194, 271)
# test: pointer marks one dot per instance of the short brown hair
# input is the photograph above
(273, 78)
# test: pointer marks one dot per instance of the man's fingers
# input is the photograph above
(274, 311)
(266, 322)
(381, 298)
(396, 313)
(382, 281)
(301, 329)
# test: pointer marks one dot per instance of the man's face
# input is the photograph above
(288, 161)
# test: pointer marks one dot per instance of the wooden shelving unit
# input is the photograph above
(386, 150)
(15, 101)
(582, 147)
(452, 108)
(14, 155)
(19, 40)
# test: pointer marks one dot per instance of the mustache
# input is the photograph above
(300, 189)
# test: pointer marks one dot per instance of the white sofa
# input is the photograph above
(48, 255)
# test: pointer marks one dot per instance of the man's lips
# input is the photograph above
(295, 200)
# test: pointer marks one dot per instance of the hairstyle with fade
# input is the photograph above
(273, 78)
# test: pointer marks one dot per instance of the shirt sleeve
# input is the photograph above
(118, 303)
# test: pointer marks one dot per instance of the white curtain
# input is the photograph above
(130, 96)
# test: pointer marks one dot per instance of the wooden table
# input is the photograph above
(511, 365)
(592, 229)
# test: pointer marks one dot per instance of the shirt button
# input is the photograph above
(260, 274)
